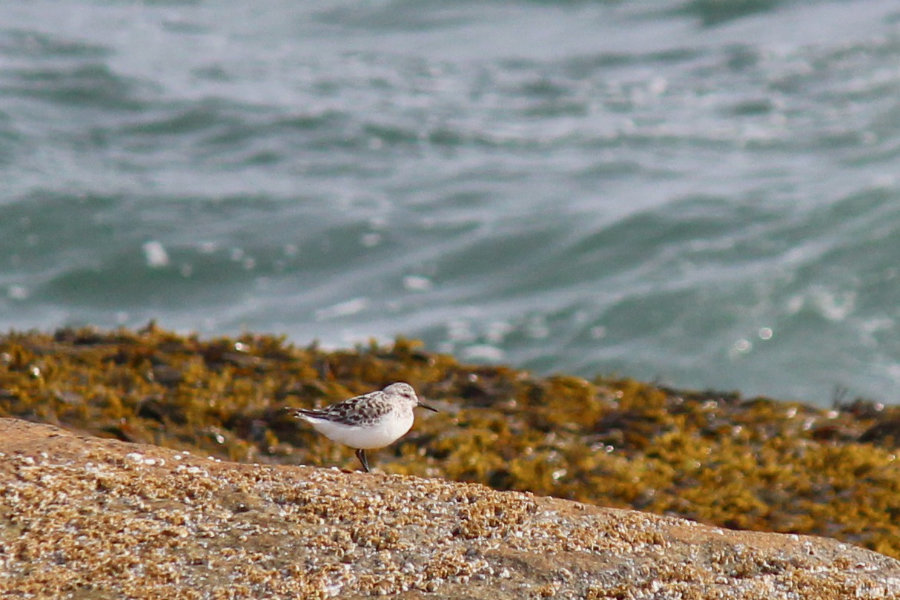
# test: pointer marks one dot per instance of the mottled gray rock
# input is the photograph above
(84, 517)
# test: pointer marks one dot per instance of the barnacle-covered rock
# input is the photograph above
(85, 517)
(714, 457)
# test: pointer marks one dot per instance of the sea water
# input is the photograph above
(702, 193)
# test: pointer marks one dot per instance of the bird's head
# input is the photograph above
(407, 393)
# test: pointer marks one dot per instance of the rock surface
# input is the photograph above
(715, 457)
(85, 517)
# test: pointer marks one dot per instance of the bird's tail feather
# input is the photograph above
(302, 413)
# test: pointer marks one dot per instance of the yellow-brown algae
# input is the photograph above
(715, 457)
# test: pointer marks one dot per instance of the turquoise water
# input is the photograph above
(704, 193)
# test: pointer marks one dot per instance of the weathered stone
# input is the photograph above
(85, 517)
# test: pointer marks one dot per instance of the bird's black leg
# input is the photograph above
(361, 455)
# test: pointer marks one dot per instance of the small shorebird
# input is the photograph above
(366, 422)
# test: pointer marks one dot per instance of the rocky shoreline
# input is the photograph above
(716, 458)
(85, 517)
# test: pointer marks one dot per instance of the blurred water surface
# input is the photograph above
(700, 192)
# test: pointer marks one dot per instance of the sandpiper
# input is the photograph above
(365, 422)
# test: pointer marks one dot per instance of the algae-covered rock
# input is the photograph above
(84, 517)
(755, 464)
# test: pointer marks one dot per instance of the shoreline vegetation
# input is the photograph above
(717, 458)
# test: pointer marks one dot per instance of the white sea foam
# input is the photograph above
(155, 254)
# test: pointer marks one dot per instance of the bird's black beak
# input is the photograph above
(428, 407)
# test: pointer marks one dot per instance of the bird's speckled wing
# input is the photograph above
(353, 411)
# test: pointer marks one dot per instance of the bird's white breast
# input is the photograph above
(381, 433)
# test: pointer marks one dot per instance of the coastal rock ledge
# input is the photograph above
(86, 517)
